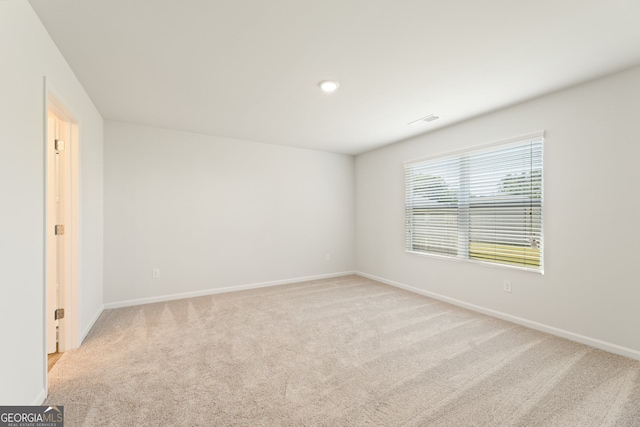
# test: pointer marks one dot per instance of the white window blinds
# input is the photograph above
(483, 205)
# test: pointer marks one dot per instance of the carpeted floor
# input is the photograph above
(346, 351)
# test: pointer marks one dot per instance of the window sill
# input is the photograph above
(472, 261)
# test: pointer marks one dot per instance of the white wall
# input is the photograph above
(27, 54)
(590, 286)
(213, 213)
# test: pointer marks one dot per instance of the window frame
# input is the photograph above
(465, 233)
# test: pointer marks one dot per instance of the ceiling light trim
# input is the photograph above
(328, 86)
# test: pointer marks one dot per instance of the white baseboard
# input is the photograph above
(140, 301)
(90, 325)
(41, 396)
(593, 342)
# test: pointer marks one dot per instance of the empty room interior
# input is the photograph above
(360, 212)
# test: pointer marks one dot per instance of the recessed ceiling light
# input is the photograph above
(425, 119)
(328, 85)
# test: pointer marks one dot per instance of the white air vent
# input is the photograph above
(425, 119)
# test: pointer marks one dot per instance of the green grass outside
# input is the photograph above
(505, 254)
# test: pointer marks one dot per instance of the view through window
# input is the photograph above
(483, 205)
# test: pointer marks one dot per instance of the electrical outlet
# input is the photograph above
(506, 285)
(327, 257)
(155, 273)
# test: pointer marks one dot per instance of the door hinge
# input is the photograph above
(59, 145)
(59, 230)
(59, 314)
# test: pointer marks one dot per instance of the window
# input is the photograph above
(483, 205)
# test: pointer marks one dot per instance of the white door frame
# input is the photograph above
(69, 330)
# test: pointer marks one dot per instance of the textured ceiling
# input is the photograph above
(249, 69)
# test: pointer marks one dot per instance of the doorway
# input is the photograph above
(61, 229)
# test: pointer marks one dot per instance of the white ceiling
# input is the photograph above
(248, 69)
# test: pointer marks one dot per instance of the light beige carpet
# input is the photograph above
(346, 351)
